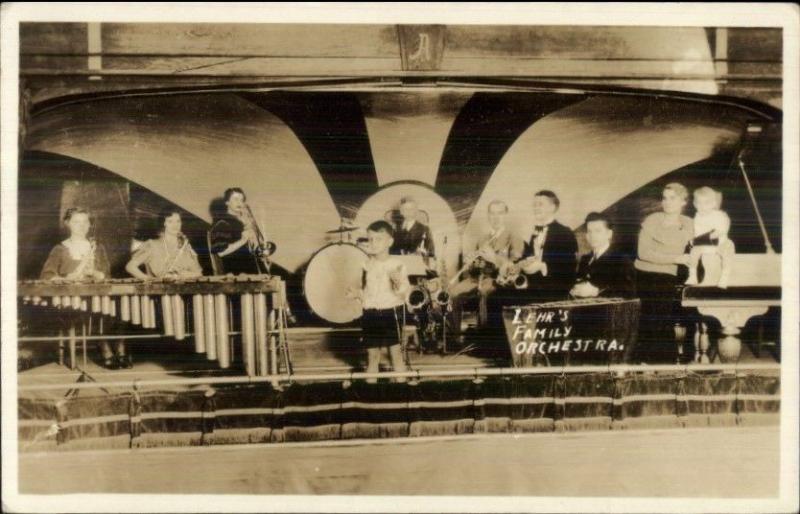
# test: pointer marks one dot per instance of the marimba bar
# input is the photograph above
(206, 303)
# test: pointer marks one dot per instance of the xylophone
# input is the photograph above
(207, 301)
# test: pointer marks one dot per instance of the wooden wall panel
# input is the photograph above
(229, 39)
(565, 42)
(52, 38)
(755, 45)
(704, 60)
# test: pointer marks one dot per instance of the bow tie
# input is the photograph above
(540, 228)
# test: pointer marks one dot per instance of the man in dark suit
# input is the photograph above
(411, 236)
(548, 262)
(603, 272)
(549, 258)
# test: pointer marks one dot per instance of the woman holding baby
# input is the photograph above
(662, 251)
(663, 240)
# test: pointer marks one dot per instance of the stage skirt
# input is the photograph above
(324, 411)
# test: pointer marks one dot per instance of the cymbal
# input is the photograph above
(341, 230)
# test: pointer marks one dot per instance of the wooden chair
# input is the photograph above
(216, 262)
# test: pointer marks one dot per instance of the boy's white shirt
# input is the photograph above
(714, 220)
(378, 292)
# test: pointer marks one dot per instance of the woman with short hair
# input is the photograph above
(661, 252)
(169, 255)
(80, 258)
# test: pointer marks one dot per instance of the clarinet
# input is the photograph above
(183, 241)
(87, 263)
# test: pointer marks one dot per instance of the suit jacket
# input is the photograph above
(612, 273)
(559, 254)
(409, 241)
(506, 244)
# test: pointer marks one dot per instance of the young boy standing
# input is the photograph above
(383, 290)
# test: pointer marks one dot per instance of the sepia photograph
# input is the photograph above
(392, 258)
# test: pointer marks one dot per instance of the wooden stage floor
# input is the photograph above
(316, 351)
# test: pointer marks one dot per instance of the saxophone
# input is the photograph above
(440, 296)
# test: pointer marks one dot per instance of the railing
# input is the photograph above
(477, 373)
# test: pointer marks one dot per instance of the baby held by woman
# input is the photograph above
(711, 226)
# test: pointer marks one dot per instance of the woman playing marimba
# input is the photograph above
(81, 258)
(168, 256)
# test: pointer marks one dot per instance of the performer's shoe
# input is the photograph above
(111, 363)
(124, 361)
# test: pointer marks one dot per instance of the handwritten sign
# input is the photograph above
(593, 331)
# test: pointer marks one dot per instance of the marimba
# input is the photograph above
(206, 304)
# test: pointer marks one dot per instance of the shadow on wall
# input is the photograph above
(122, 210)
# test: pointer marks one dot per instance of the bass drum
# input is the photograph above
(331, 271)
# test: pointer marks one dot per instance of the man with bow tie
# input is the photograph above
(603, 272)
(548, 262)
(411, 235)
(549, 259)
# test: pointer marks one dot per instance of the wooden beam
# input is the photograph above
(243, 39)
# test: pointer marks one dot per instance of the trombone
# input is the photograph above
(262, 248)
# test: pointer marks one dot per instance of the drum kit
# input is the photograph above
(331, 270)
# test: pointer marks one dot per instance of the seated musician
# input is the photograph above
(233, 236)
(412, 236)
(168, 256)
(80, 258)
(549, 259)
(661, 259)
(493, 250)
(603, 272)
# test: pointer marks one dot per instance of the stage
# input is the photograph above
(175, 397)
(317, 351)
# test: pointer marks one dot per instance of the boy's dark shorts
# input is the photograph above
(381, 327)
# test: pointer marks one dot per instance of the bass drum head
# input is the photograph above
(331, 271)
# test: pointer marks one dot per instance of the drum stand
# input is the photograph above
(279, 341)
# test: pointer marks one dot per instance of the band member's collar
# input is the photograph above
(599, 253)
(538, 228)
(410, 224)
